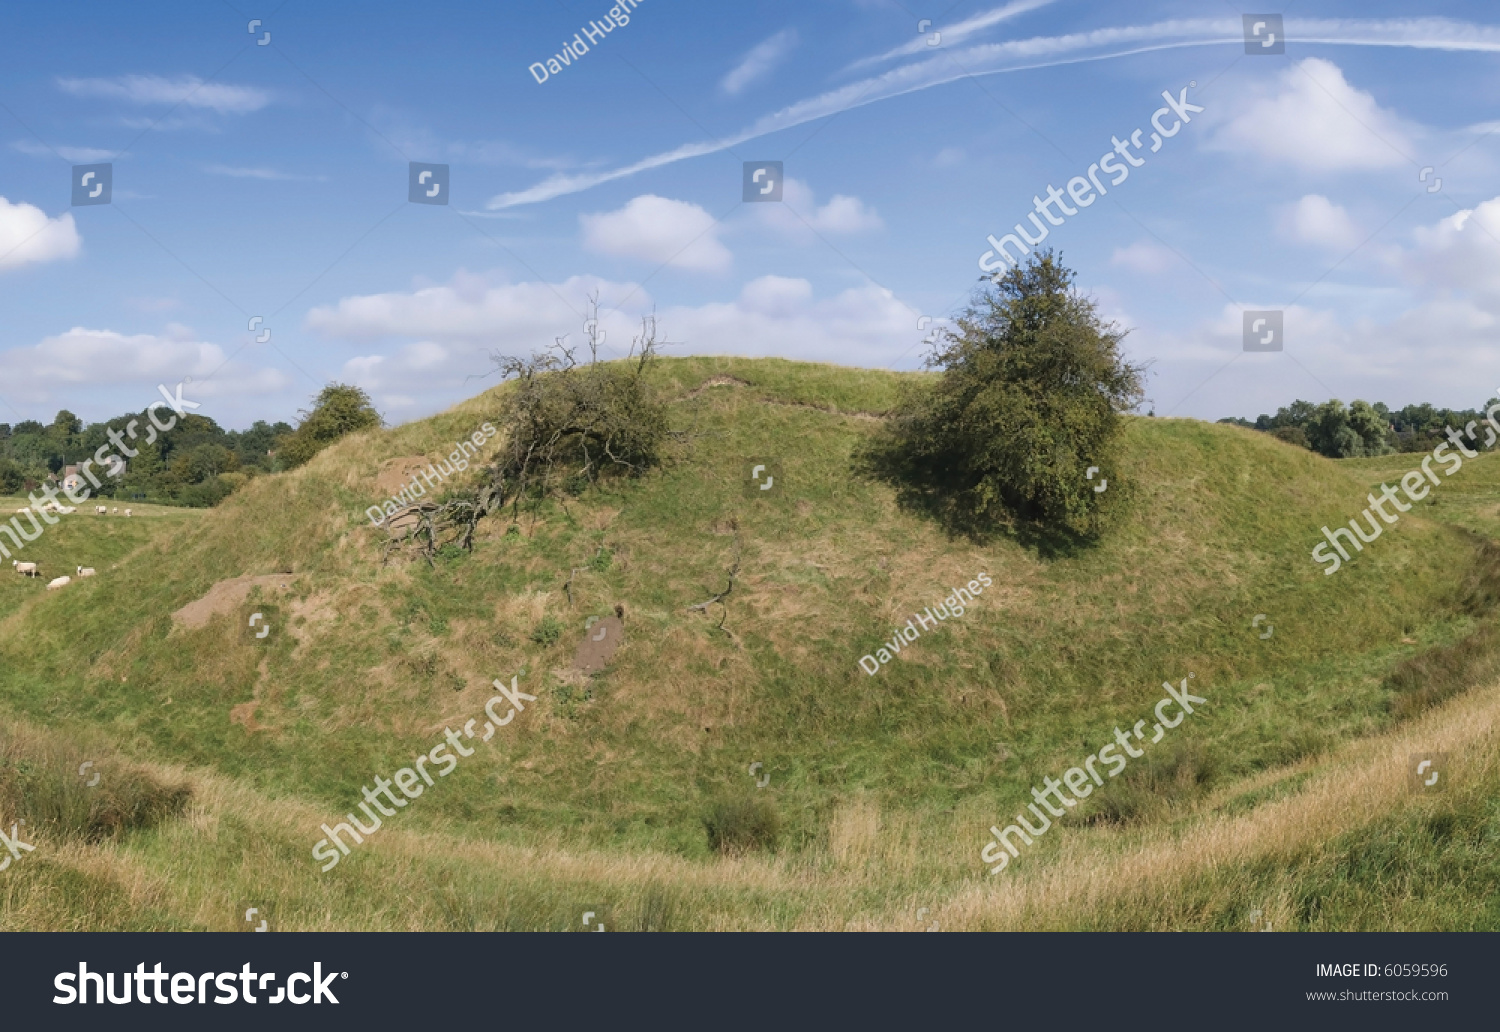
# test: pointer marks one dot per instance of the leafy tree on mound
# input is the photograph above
(1032, 388)
(339, 409)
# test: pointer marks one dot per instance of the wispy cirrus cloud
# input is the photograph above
(81, 155)
(238, 172)
(187, 89)
(1023, 55)
(950, 35)
(761, 60)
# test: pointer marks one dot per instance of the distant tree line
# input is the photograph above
(1346, 432)
(197, 463)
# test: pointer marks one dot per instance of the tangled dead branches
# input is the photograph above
(734, 571)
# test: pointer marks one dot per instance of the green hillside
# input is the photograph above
(884, 786)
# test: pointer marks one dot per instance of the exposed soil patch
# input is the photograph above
(718, 381)
(599, 644)
(244, 713)
(397, 473)
(226, 596)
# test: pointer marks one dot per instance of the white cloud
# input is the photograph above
(799, 217)
(472, 310)
(453, 327)
(411, 365)
(760, 61)
(1145, 257)
(27, 235)
(862, 326)
(658, 230)
(106, 357)
(1318, 221)
(1317, 122)
(81, 155)
(188, 90)
(1460, 252)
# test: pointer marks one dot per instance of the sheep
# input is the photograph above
(115, 509)
(25, 569)
(85, 571)
(127, 512)
(61, 582)
(102, 510)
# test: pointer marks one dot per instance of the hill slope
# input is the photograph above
(885, 785)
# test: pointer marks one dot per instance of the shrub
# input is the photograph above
(548, 631)
(738, 826)
(1032, 387)
(1431, 677)
(1152, 784)
(568, 424)
(40, 783)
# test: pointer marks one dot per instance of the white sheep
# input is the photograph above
(85, 571)
(25, 569)
(102, 510)
(115, 509)
(61, 582)
(127, 512)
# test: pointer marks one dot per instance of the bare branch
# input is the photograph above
(733, 573)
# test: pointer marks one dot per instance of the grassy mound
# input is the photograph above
(879, 790)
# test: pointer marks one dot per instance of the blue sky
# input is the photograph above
(270, 181)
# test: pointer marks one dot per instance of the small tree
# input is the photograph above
(569, 423)
(1032, 387)
(566, 425)
(339, 409)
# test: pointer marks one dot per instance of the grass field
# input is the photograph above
(1287, 794)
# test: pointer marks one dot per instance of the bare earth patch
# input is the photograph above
(599, 644)
(718, 381)
(397, 473)
(244, 713)
(226, 596)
